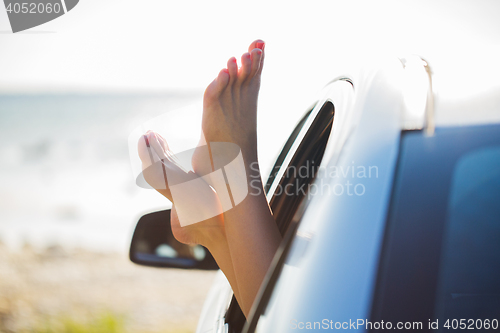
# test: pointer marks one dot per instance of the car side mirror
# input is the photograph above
(153, 244)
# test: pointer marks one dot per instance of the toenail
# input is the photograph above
(260, 45)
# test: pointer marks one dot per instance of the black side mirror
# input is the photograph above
(153, 244)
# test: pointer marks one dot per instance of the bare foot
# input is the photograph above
(163, 173)
(230, 107)
(229, 115)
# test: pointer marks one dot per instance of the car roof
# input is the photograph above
(465, 87)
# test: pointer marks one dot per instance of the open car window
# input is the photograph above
(285, 150)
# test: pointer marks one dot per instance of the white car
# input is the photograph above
(387, 194)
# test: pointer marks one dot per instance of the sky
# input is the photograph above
(156, 44)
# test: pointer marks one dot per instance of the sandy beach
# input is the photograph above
(52, 289)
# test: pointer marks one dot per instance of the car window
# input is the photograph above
(441, 252)
(302, 168)
(469, 282)
(286, 148)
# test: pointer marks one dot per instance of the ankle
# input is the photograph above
(212, 237)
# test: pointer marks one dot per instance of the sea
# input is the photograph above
(68, 165)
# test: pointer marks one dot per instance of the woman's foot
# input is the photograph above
(230, 107)
(201, 225)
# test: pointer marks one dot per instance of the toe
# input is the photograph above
(256, 57)
(256, 44)
(232, 68)
(222, 79)
(145, 151)
(163, 142)
(261, 64)
(216, 87)
(157, 144)
(246, 66)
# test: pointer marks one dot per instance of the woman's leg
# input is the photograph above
(230, 115)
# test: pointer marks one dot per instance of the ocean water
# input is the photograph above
(65, 167)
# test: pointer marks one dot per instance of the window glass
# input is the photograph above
(469, 283)
(285, 150)
(441, 254)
